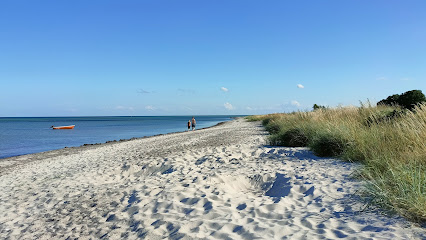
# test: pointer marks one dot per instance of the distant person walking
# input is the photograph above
(189, 125)
(193, 123)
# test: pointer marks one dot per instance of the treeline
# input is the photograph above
(407, 100)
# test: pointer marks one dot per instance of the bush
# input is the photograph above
(266, 121)
(273, 127)
(274, 140)
(411, 99)
(328, 145)
(317, 107)
(390, 101)
(408, 100)
(293, 138)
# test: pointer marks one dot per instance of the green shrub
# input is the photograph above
(274, 140)
(408, 100)
(411, 99)
(273, 127)
(390, 101)
(328, 145)
(266, 121)
(317, 107)
(293, 138)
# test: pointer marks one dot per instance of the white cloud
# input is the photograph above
(224, 89)
(228, 106)
(249, 108)
(405, 79)
(150, 108)
(295, 103)
(382, 78)
(124, 108)
(300, 86)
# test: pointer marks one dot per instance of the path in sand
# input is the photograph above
(216, 183)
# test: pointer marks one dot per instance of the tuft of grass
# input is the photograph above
(328, 145)
(383, 116)
(272, 126)
(388, 141)
(295, 138)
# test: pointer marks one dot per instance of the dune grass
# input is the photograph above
(389, 142)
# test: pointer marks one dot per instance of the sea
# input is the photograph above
(25, 135)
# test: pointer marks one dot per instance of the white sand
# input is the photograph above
(216, 183)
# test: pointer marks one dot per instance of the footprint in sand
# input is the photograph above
(242, 206)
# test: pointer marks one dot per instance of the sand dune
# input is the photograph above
(216, 183)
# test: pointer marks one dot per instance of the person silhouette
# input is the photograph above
(193, 123)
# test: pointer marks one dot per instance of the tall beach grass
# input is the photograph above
(390, 144)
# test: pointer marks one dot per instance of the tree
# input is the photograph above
(406, 100)
(391, 100)
(411, 98)
(316, 107)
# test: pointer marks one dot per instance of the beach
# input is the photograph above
(222, 182)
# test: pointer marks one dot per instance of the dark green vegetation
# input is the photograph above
(328, 145)
(316, 107)
(291, 138)
(407, 100)
(389, 141)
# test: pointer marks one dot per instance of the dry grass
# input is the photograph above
(392, 148)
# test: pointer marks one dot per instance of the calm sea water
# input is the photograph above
(20, 136)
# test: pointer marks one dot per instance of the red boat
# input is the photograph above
(64, 127)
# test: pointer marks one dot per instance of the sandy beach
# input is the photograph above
(222, 182)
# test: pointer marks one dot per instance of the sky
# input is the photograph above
(230, 57)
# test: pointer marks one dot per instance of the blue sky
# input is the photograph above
(97, 58)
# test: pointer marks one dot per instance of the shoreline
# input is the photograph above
(221, 182)
(31, 157)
